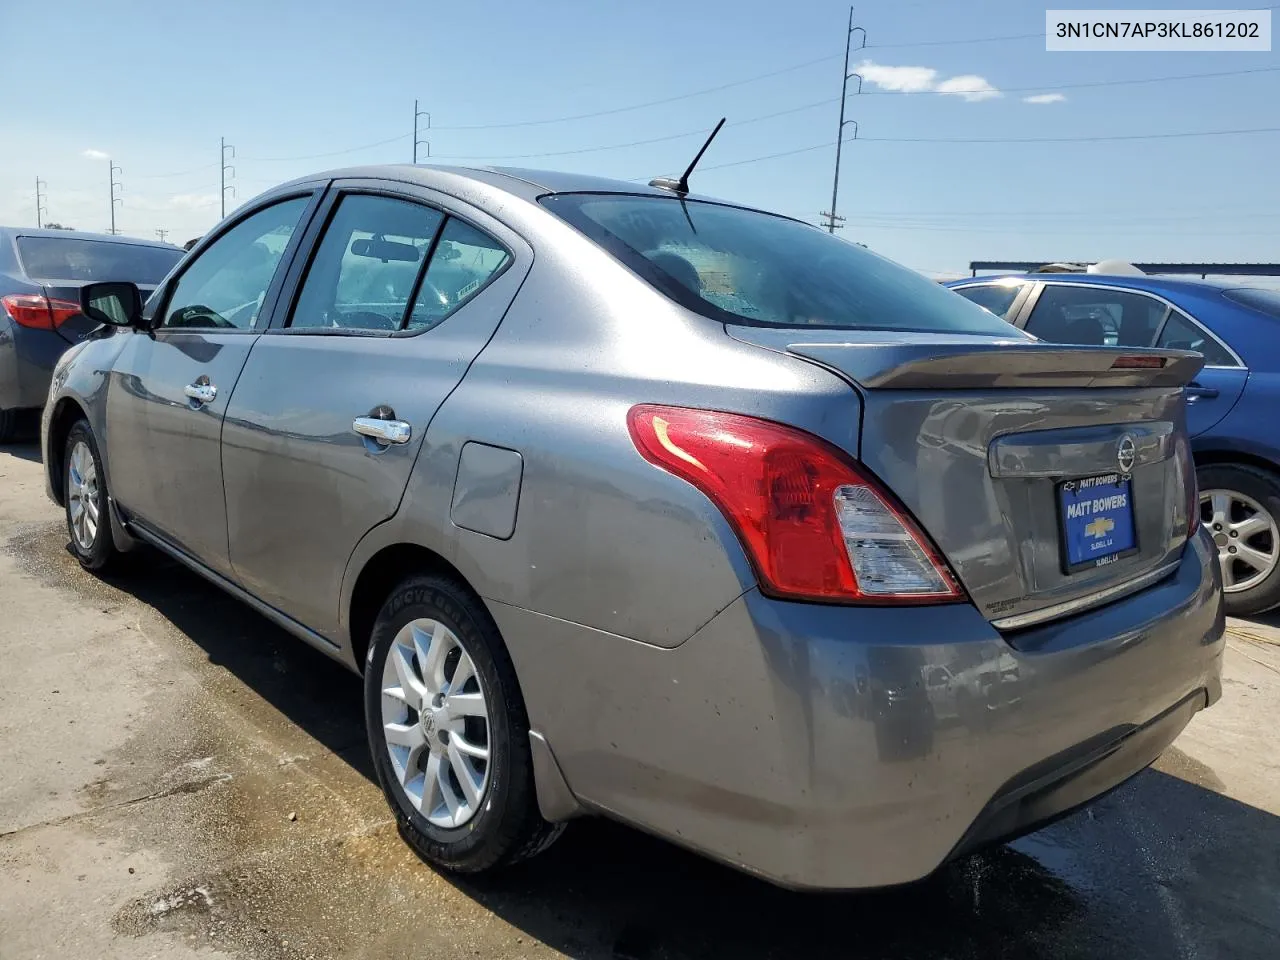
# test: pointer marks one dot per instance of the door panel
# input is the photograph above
(170, 386)
(302, 485)
(1211, 395)
(165, 468)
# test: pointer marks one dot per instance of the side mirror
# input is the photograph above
(116, 303)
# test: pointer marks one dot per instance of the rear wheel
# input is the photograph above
(1239, 507)
(448, 730)
(85, 497)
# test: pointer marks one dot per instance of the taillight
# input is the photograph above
(42, 313)
(815, 525)
(1138, 363)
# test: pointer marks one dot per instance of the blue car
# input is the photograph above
(1233, 405)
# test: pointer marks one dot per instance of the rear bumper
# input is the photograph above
(27, 358)
(837, 747)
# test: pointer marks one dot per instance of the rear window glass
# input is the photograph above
(1262, 300)
(68, 258)
(743, 266)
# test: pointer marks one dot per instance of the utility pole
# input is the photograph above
(161, 234)
(222, 163)
(416, 114)
(115, 185)
(844, 92)
(41, 209)
(831, 221)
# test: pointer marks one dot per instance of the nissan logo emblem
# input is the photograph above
(1126, 454)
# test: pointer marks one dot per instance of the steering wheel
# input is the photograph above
(365, 320)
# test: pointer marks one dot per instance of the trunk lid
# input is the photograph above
(985, 440)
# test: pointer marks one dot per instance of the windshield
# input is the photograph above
(743, 266)
(73, 258)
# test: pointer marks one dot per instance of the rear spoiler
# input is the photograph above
(1000, 364)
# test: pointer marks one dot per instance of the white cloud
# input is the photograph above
(904, 79)
(192, 201)
(1044, 98)
(970, 86)
(94, 154)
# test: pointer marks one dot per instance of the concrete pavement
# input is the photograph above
(179, 778)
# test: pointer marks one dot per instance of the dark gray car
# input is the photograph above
(643, 505)
(41, 272)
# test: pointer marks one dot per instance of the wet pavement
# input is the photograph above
(180, 778)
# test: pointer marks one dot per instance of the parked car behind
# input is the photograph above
(41, 272)
(655, 507)
(1231, 404)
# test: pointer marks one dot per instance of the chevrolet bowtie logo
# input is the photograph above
(1099, 527)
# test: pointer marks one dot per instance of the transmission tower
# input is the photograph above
(222, 161)
(416, 114)
(845, 77)
(162, 234)
(115, 185)
(41, 209)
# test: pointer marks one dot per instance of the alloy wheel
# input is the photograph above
(435, 722)
(1246, 535)
(82, 496)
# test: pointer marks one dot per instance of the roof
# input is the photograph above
(1155, 283)
(1220, 269)
(82, 235)
(522, 182)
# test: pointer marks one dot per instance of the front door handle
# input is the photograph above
(382, 431)
(1197, 392)
(201, 392)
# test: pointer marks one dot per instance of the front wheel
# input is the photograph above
(85, 497)
(1239, 507)
(448, 730)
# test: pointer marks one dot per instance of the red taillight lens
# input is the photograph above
(815, 525)
(41, 313)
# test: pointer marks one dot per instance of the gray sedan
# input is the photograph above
(632, 503)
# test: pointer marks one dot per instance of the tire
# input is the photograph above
(1261, 489)
(86, 502)
(505, 825)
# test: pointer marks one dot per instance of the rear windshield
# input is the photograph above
(743, 266)
(1260, 299)
(70, 258)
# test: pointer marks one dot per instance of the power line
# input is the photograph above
(955, 42)
(331, 153)
(175, 173)
(641, 106)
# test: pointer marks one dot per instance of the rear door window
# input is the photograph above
(996, 297)
(1096, 316)
(742, 266)
(1182, 333)
(79, 259)
(464, 261)
(365, 268)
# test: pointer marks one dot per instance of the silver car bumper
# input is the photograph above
(840, 747)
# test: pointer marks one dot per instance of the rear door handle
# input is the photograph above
(382, 431)
(1196, 392)
(201, 393)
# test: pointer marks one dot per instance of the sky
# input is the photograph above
(299, 87)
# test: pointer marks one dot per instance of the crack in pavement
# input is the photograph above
(188, 786)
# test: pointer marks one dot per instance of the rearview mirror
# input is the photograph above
(116, 303)
(386, 250)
